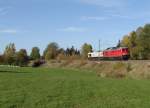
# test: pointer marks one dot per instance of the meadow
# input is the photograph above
(69, 88)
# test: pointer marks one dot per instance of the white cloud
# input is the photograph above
(9, 31)
(122, 16)
(105, 3)
(115, 9)
(93, 18)
(72, 29)
(117, 16)
(131, 16)
(107, 17)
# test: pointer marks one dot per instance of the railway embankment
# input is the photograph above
(114, 69)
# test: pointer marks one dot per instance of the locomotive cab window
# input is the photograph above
(89, 55)
(123, 50)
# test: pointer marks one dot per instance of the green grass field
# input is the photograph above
(65, 88)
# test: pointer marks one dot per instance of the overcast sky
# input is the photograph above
(29, 23)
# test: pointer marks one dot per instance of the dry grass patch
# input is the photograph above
(115, 70)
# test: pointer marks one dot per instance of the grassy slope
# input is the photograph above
(60, 88)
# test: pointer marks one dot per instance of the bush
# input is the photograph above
(61, 57)
(118, 65)
(66, 62)
(37, 63)
(119, 70)
(82, 63)
(129, 68)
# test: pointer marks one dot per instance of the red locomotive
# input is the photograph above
(114, 53)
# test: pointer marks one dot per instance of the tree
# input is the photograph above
(86, 48)
(61, 51)
(72, 52)
(133, 45)
(139, 31)
(67, 52)
(119, 44)
(131, 42)
(138, 43)
(9, 54)
(35, 54)
(21, 57)
(125, 41)
(77, 52)
(144, 42)
(51, 51)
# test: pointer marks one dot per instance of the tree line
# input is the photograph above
(138, 42)
(21, 58)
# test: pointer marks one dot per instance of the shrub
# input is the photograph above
(1, 59)
(119, 70)
(129, 68)
(82, 63)
(118, 65)
(67, 62)
(37, 63)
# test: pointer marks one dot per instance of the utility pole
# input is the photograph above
(99, 45)
(99, 49)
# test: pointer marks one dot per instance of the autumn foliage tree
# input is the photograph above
(86, 48)
(138, 43)
(51, 51)
(9, 54)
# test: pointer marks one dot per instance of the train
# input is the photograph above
(113, 53)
